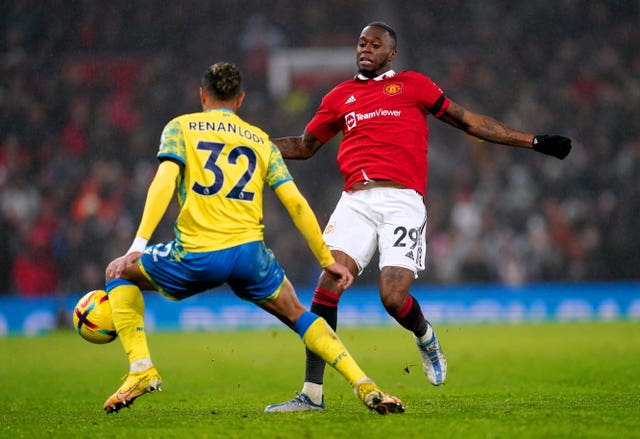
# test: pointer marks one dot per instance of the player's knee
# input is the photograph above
(394, 302)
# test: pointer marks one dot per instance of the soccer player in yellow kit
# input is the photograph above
(218, 165)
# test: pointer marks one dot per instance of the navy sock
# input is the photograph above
(325, 305)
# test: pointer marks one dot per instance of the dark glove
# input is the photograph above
(549, 144)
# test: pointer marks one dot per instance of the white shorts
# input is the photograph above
(390, 219)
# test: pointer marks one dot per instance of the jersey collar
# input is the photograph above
(385, 75)
(220, 108)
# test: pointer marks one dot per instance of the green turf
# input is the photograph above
(505, 381)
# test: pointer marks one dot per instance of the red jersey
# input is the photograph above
(383, 122)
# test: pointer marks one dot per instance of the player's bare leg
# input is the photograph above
(395, 283)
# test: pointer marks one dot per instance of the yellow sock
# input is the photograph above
(324, 342)
(127, 307)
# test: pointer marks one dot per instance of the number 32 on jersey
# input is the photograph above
(237, 192)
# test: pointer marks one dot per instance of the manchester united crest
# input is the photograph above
(393, 89)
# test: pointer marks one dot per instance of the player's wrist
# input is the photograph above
(557, 146)
(138, 245)
(325, 262)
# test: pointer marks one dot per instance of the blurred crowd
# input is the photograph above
(88, 86)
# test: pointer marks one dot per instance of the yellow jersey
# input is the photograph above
(224, 163)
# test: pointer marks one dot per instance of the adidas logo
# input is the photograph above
(351, 100)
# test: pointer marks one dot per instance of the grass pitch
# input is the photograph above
(573, 380)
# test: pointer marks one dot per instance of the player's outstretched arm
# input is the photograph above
(491, 130)
(298, 148)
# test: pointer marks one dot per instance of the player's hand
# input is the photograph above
(118, 265)
(557, 146)
(341, 274)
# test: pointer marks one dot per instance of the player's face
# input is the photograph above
(375, 51)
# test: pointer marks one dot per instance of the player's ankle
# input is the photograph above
(313, 391)
(427, 335)
(140, 365)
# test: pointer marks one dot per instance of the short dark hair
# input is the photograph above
(222, 80)
(388, 28)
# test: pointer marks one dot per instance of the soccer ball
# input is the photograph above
(92, 318)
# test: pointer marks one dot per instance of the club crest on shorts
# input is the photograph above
(330, 228)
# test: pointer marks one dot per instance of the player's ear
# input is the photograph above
(240, 99)
(393, 54)
(202, 97)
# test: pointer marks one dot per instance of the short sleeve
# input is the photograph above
(172, 145)
(324, 124)
(277, 172)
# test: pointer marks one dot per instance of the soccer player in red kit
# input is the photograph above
(383, 158)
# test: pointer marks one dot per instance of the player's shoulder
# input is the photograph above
(184, 118)
(253, 132)
(419, 81)
(412, 75)
(347, 83)
(344, 88)
(254, 128)
(179, 124)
